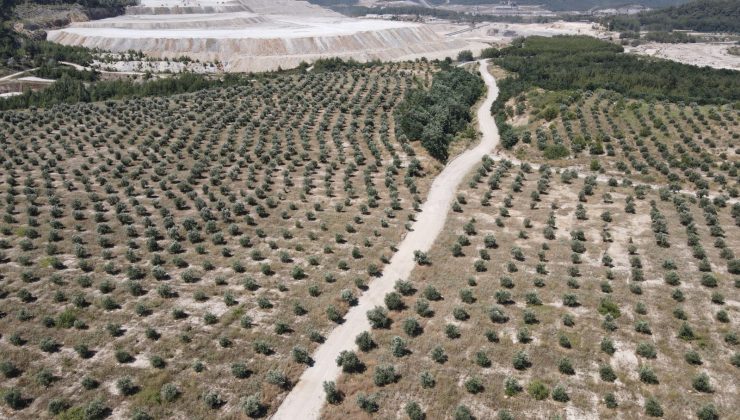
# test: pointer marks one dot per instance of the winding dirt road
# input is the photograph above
(307, 397)
(14, 75)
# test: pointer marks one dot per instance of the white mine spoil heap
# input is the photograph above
(256, 35)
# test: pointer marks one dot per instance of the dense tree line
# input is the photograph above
(69, 90)
(19, 51)
(580, 62)
(355, 10)
(7, 40)
(701, 15)
(435, 115)
(585, 63)
(336, 64)
(53, 71)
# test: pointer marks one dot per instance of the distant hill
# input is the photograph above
(701, 15)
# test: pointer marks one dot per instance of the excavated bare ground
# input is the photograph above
(253, 35)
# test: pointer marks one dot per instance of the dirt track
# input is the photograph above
(307, 397)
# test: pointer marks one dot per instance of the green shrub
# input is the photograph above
(385, 374)
(9, 370)
(412, 327)
(520, 360)
(606, 373)
(349, 362)
(301, 355)
(378, 317)
(14, 399)
(365, 341)
(126, 386)
(89, 383)
(240, 370)
(427, 380)
(123, 356)
(398, 347)
(213, 400)
(707, 412)
(413, 411)
(57, 406)
(701, 383)
(538, 390)
(646, 350)
(169, 392)
(277, 378)
(474, 385)
(95, 410)
(368, 403)
(685, 332)
(438, 355)
(139, 414)
(610, 400)
(463, 413)
(512, 387)
(333, 395)
(608, 306)
(653, 408)
(253, 407)
(647, 375)
(692, 357)
(560, 394)
(505, 415)
(555, 151)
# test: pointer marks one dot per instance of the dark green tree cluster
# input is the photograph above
(53, 71)
(8, 42)
(700, 15)
(27, 52)
(585, 63)
(581, 62)
(350, 9)
(435, 115)
(69, 90)
(335, 64)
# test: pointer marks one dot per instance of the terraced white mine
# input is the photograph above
(255, 35)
